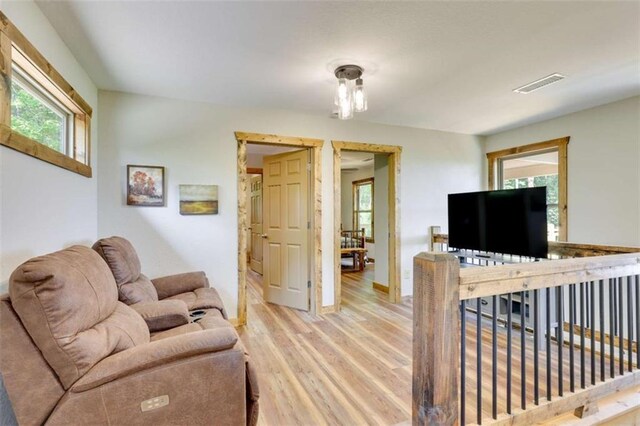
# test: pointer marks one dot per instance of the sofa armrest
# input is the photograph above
(181, 283)
(149, 355)
(163, 314)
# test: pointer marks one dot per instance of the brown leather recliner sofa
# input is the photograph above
(71, 353)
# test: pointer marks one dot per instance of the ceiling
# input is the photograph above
(355, 159)
(547, 158)
(440, 65)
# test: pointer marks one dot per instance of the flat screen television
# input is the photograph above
(512, 221)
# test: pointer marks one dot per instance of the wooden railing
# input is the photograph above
(520, 343)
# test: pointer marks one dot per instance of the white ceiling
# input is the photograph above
(440, 65)
(355, 160)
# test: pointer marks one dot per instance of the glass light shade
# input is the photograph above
(359, 97)
(342, 91)
(345, 108)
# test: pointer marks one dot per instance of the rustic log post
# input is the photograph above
(436, 335)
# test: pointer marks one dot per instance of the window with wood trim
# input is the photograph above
(538, 164)
(363, 211)
(41, 115)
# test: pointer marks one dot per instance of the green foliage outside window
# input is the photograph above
(33, 119)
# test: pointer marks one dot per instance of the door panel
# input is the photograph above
(286, 214)
(256, 224)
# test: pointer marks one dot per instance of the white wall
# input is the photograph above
(381, 224)
(44, 208)
(195, 142)
(603, 169)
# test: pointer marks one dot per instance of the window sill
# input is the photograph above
(18, 142)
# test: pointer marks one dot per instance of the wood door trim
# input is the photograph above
(242, 138)
(394, 213)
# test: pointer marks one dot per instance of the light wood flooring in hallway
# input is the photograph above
(347, 368)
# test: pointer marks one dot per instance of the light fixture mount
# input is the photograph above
(350, 72)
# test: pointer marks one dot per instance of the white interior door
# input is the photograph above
(256, 224)
(286, 229)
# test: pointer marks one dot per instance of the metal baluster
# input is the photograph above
(523, 341)
(560, 338)
(612, 316)
(494, 357)
(463, 366)
(479, 360)
(509, 329)
(602, 331)
(637, 321)
(572, 314)
(582, 318)
(621, 326)
(536, 336)
(629, 325)
(548, 320)
(592, 308)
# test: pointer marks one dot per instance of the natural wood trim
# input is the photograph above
(242, 232)
(260, 138)
(598, 335)
(568, 402)
(21, 143)
(533, 147)
(380, 287)
(366, 147)
(482, 282)
(5, 79)
(242, 139)
(330, 309)
(254, 170)
(29, 50)
(337, 219)
(394, 152)
(559, 144)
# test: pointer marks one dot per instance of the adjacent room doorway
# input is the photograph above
(279, 224)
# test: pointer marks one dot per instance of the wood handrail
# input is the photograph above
(556, 248)
(501, 279)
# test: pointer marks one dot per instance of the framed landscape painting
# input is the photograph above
(145, 185)
(198, 199)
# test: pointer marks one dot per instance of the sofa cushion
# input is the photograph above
(163, 314)
(133, 287)
(68, 303)
(201, 298)
(138, 291)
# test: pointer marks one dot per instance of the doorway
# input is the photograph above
(284, 173)
(377, 232)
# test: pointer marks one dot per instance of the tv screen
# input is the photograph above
(512, 221)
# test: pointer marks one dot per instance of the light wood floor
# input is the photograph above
(346, 368)
(354, 367)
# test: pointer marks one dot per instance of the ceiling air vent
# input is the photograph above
(539, 84)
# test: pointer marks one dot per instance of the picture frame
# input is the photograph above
(197, 200)
(145, 186)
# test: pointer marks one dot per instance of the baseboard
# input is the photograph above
(328, 309)
(234, 322)
(380, 287)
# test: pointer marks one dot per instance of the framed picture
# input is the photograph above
(198, 199)
(145, 185)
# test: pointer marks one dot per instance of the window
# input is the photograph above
(363, 207)
(539, 164)
(36, 115)
(46, 118)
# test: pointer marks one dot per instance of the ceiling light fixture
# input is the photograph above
(350, 97)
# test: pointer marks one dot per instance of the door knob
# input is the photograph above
(265, 236)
